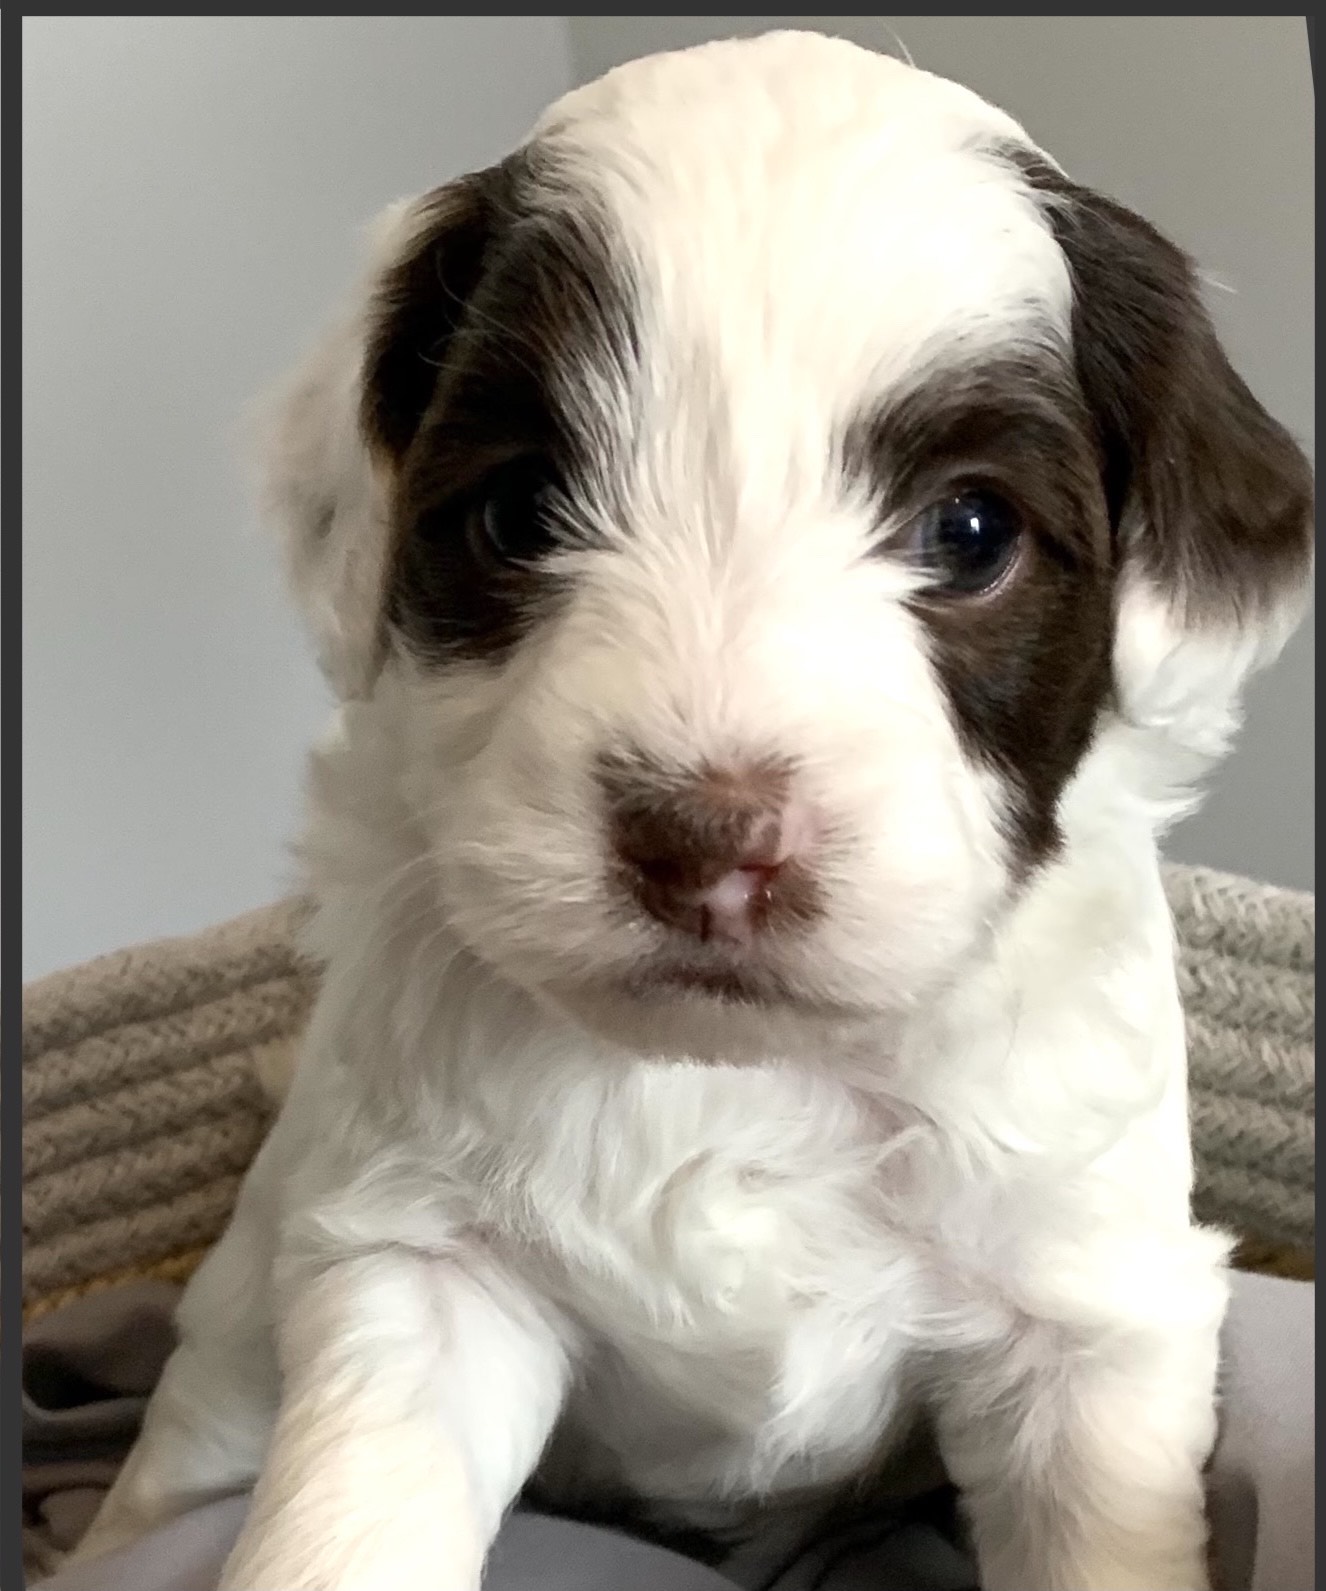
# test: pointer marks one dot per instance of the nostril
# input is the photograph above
(663, 872)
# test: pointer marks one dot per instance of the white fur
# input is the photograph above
(722, 1254)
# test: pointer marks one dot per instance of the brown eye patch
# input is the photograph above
(470, 575)
(1025, 655)
(523, 406)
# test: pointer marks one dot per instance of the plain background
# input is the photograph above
(193, 193)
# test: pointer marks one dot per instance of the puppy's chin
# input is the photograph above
(716, 1024)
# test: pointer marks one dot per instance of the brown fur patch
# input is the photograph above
(1026, 666)
(482, 334)
(1210, 496)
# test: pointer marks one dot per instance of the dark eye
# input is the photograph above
(510, 519)
(967, 542)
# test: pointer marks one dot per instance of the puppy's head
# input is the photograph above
(757, 499)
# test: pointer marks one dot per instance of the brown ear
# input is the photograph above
(1210, 499)
(347, 415)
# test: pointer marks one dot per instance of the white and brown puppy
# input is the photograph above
(784, 551)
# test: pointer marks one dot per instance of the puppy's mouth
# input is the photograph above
(726, 984)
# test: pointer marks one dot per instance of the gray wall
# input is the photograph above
(193, 190)
(1205, 125)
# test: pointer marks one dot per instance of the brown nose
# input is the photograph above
(717, 854)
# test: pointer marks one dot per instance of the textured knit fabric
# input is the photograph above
(149, 1076)
(147, 1080)
(1246, 962)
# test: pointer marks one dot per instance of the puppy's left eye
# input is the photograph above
(510, 521)
(967, 542)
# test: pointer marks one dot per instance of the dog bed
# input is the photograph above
(151, 1074)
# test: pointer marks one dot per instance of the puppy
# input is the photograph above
(784, 551)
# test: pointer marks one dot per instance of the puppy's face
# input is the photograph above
(758, 495)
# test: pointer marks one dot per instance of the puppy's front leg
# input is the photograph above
(1078, 1442)
(417, 1397)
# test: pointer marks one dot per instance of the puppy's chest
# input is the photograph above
(736, 1266)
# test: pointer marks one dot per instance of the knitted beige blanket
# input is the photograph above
(149, 1078)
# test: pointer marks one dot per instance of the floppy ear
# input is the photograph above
(1210, 499)
(346, 418)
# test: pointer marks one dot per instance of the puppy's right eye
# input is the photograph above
(510, 520)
